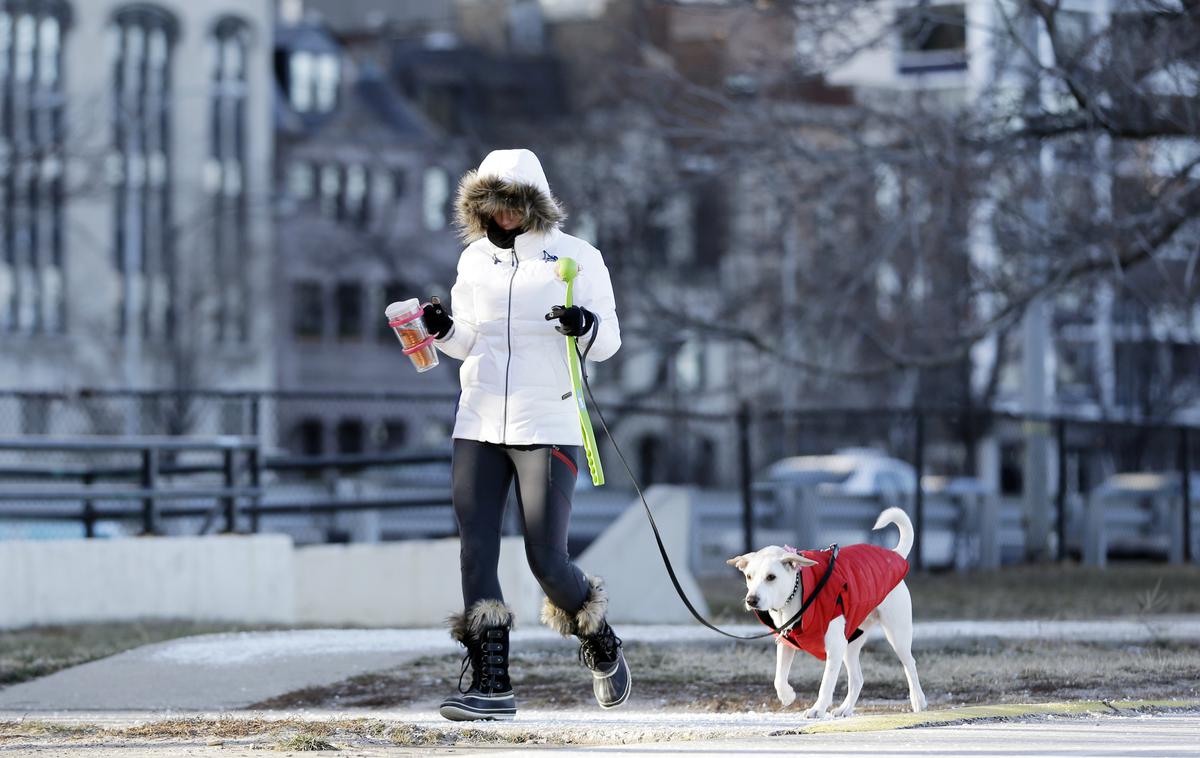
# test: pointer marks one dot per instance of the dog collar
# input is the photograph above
(794, 589)
(765, 617)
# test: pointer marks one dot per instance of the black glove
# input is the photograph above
(574, 321)
(437, 321)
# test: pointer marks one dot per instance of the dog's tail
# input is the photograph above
(898, 517)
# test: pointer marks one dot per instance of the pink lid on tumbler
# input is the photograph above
(405, 319)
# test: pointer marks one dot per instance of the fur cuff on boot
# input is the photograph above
(587, 620)
(481, 615)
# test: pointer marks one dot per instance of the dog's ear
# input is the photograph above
(740, 561)
(795, 560)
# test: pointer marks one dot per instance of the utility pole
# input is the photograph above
(1035, 345)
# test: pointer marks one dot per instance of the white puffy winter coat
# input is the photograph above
(516, 388)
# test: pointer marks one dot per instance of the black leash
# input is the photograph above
(658, 537)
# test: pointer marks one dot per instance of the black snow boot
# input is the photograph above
(483, 629)
(599, 646)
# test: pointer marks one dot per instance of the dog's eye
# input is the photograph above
(770, 577)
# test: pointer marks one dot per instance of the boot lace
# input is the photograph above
(600, 649)
(467, 663)
(486, 674)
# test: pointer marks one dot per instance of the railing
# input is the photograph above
(150, 449)
(231, 499)
(671, 443)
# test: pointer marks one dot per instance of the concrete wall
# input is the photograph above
(627, 557)
(411, 583)
(247, 579)
(265, 579)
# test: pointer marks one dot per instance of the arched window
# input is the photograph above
(229, 44)
(31, 165)
(143, 42)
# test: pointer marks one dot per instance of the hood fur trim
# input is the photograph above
(482, 615)
(481, 196)
(587, 620)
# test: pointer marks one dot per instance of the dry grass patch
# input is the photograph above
(13, 730)
(305, 742)
(718, 677)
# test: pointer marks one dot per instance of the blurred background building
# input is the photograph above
(137, 232)
(872, 207)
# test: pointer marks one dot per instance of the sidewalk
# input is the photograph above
(231, 671)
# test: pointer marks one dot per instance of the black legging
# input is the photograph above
(545, 474)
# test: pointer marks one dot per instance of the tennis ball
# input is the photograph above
(566, 269)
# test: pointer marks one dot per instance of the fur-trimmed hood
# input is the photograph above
(506, 180)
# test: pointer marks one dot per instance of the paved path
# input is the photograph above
(1157, 736)
(229, 671)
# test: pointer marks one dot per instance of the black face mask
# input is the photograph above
(501, 237)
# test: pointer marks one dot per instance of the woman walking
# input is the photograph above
(516, 420)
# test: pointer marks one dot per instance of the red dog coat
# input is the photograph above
(862, 577)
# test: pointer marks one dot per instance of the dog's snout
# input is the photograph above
(752, 601)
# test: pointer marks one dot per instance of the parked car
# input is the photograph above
(854, 484)
(1140, 513)
(850, 471)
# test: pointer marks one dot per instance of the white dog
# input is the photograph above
(865, 586)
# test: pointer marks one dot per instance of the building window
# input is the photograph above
(309, 437)
(343, 193)
(308, 309)
(350, 437)
(391, 434)
(144, 40)
(349, 310)
(35, 414)
(31, 183)
(232, 255)
(932, 38)
(356, 205)
(313, 80)
(436, 195)
(331, 190)
(301, 181)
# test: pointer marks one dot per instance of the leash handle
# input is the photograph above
(567, 270)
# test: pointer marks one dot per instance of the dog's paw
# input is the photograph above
(842, 711)
(816, 713)
(786, 696)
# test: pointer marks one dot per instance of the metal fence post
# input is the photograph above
(746, 474)
(919, 505)
(1060, 498)
(230, 503)
(1185, 467)
(255, 413)
(149, 483)
(254, 460)
(89, 508)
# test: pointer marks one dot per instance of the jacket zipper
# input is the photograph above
(516, 263)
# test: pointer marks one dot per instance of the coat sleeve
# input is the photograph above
(462, 336)
(597, 297)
